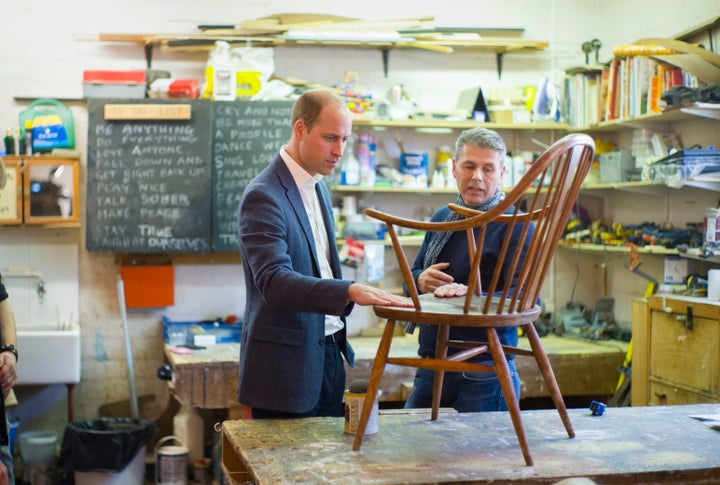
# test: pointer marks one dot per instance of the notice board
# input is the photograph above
(247, 136)
(166, 176)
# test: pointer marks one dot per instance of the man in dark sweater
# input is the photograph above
(442, 268)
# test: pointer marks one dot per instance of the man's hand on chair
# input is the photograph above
(450, 290)
(433, 278)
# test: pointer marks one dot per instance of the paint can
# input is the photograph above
(354, 400)
(171, 462)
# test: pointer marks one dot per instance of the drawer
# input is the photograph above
(685, 355)
(662, 393)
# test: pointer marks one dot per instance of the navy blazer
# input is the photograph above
(283, 336)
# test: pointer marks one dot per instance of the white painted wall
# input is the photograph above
(46, 45)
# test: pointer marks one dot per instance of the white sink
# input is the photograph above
(48, 356)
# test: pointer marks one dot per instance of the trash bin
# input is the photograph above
(107, 450)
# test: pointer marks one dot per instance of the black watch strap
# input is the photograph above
(9, 348)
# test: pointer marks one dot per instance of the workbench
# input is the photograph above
(208, 378)
(638, 445)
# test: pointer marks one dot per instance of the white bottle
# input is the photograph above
(189, 426)
(224, 80)
(349, 166)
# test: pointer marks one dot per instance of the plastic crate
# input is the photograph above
(223, 332)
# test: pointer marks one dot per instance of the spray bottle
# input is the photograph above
(224, 82)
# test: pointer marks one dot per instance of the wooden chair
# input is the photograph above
(547, 193)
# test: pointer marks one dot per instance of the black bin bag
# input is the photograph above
(103, 445)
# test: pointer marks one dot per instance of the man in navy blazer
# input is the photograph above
(294, 333)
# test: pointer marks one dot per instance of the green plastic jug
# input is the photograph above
(52, 125)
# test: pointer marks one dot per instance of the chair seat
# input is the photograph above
(447, 311)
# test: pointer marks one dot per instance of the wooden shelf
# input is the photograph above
(622, 186)
(599, 248)
(402, 190)
(689, 112)
(329, 32)
(411, 241)
(460, 124)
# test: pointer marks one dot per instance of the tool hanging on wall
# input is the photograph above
(590, 46)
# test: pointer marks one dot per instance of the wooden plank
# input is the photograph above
(639, 445)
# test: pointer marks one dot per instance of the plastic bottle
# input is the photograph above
(9, 142)
(349, 166)
(366, 160)
(28, 137)
(188, 425)
(223, 73)
(444, 164)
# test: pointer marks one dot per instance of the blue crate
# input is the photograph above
(223, 332)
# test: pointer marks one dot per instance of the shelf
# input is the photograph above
(460, 124)
(689, 112)
(599, 248)
(696, 255)
(402, 190)
(206, 41)
(411, 241)
(630, 186)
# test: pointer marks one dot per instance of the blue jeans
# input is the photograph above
(8, 460)
(464, 391)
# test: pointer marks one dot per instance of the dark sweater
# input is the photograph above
(455, 253)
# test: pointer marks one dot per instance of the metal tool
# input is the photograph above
(633, 265)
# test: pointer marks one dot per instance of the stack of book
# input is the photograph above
(628, 86)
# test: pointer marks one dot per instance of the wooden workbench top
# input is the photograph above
(635, 445)
(208, 378)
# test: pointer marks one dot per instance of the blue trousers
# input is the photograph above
(464, 391)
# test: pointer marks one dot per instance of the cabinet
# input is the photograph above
(675, 351)
(40, 190)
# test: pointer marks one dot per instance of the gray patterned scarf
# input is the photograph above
(438, 239)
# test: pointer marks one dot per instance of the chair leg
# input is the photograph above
(441, 350)
(508, 390)
(376, 374)
(546, 370)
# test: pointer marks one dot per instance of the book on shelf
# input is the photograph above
(625, 88)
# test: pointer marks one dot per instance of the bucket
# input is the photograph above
(37, 447)
(353, 408)
(171, 462)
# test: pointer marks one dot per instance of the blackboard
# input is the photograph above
(247, 135)
(149, 181)
(174, 186)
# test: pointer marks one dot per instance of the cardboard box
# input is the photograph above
(414, 169)
(677, 268)
(615, 166)
(114, 84)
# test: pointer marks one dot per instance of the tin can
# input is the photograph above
(353, 408)
(712, 227)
